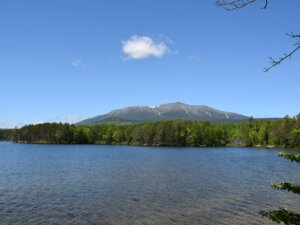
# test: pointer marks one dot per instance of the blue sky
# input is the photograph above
(71, 59)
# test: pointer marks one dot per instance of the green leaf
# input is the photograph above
(282, 215)
(287, 186)
(292, 157)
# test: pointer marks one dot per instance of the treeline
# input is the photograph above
(281, 133)
(6, 134)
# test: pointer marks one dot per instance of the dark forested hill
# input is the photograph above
(165, 112)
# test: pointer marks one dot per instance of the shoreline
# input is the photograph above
(160, 146)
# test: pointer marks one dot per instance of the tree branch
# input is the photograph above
(281, 59)
(238, 4)
(282, 215)
(287, 186)
(285, 56)
(266, 4)
(292, 157)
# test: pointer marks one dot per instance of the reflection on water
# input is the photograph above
(73, 184)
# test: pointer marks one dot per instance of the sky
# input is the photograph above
(66, 60)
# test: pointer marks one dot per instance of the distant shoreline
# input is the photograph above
(162, 146)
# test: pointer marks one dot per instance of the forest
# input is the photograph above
(278, 133)
(6, 134)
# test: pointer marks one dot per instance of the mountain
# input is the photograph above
(170, 111)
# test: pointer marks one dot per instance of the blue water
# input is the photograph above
(92, 184)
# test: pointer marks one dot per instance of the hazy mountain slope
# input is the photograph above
(170, 111)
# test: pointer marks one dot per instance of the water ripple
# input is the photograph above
(108, 185)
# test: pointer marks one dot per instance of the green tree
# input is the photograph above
(282, 214)
(265, 133)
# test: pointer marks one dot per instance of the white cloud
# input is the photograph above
(78, 63)
(67, 119)
(59, 119)
(140, 47)
(195, 58)
(9, 125)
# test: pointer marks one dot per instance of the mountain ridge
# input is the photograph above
(165, 112)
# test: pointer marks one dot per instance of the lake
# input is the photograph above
(94, 184)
